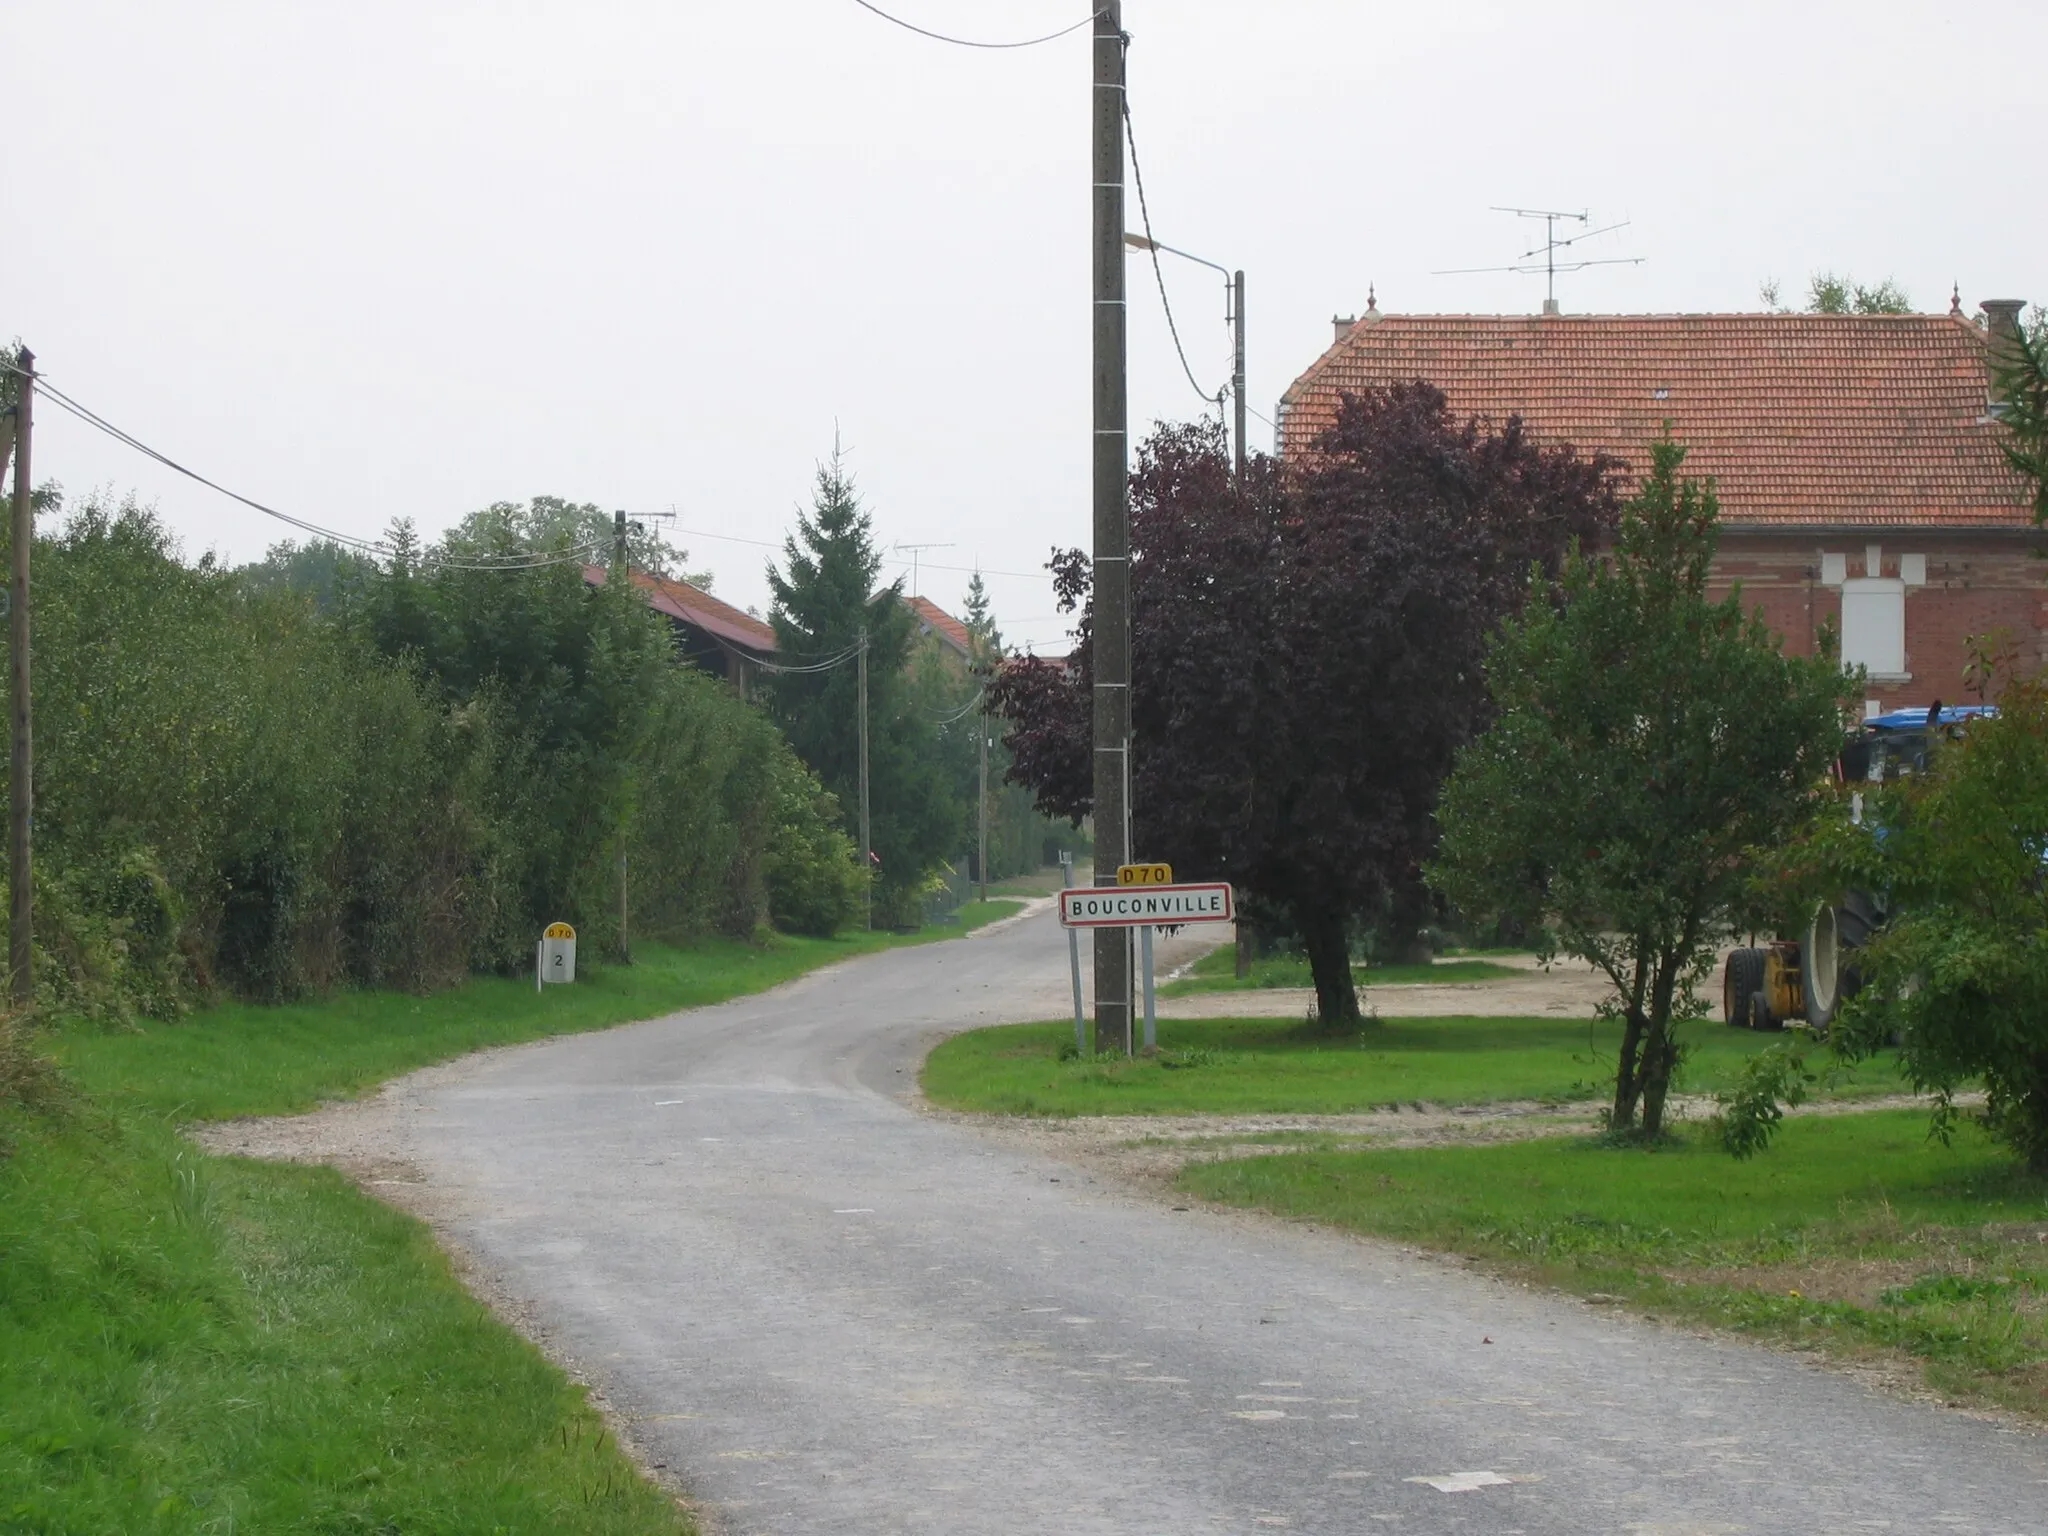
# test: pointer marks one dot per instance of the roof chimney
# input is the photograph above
(1550, 307)
(1343, 323)
(2002, 320)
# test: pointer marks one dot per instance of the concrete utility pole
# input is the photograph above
(1112, 541)
(867, 845)
(21, 783)
(1237, 366)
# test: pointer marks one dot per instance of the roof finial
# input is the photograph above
(1372, 300)
(1955, 302)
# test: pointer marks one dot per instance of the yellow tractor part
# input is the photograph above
(1783, 994)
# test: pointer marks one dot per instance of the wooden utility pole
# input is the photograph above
(981, 851)
(1112, 532)
(867, 846)
(622, 573)
(1237, 363)
(21, 782)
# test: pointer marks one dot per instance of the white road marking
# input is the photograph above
(856, 1210)
(1462, 1482)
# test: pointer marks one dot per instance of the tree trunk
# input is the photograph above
(1660, 1049)
(1628, 1068)
(1329, 961)
(1245, 946)
(1627, 1082)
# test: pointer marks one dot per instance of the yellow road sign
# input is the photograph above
(559, 931)
(1144, 874)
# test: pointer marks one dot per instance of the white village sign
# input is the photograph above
(1146, 906)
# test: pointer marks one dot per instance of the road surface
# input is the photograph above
(827, 1310)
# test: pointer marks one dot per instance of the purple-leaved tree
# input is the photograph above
(1308, 652)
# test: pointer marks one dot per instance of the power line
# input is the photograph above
(1158, 275)
(958, 714)
(964, 42)
(964, 570)
(532, 560)
(839, 660)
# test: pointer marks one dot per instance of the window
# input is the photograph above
(1874, 625)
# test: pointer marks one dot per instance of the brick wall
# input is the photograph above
(1974, 584)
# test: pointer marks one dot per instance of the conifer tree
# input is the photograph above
(825, 606)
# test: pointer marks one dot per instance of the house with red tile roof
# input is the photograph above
(714, 635)
(950, 633)
(1857, 457)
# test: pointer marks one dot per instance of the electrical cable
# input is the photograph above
(1158, 275)
(531, 560)
(840, 660)
(963, 42)
(964, 570)
(959, 714)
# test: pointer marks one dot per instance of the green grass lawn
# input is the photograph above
(1217, 972)
(1854, 1232)
(1281, 1066)
(191, 1343)
(245, 1059)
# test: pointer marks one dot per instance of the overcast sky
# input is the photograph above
(380, 259)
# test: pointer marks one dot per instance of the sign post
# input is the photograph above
(1151, 989)
(1147, 874)
(1144, 898)
(1074, 959)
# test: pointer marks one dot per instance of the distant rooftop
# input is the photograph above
(933, 619)
(693, 605)
(1824, 420)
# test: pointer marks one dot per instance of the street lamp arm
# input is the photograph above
(1141, 243)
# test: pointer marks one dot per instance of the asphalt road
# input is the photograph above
(827, 1310)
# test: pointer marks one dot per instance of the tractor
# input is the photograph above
(1805, 979)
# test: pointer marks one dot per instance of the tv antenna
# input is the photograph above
(1550, 266)
(915, 550)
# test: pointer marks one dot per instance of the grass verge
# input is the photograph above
(192, 1343)
(1279, 1066)
(203, 1344)
(244, 1059)
(1855, 1234)
(1217, 972)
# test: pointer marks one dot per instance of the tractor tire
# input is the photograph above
(1821, 965)
(1741, 981)
(1760, 1015)
(1828, 956)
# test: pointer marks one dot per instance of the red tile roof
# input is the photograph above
(949, 629)
(1843, 420)
(693, 605)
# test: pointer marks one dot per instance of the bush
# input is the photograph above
(815, 882)
(247, 787)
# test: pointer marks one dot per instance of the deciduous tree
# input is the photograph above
(1647, 741)
(1307, 650)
